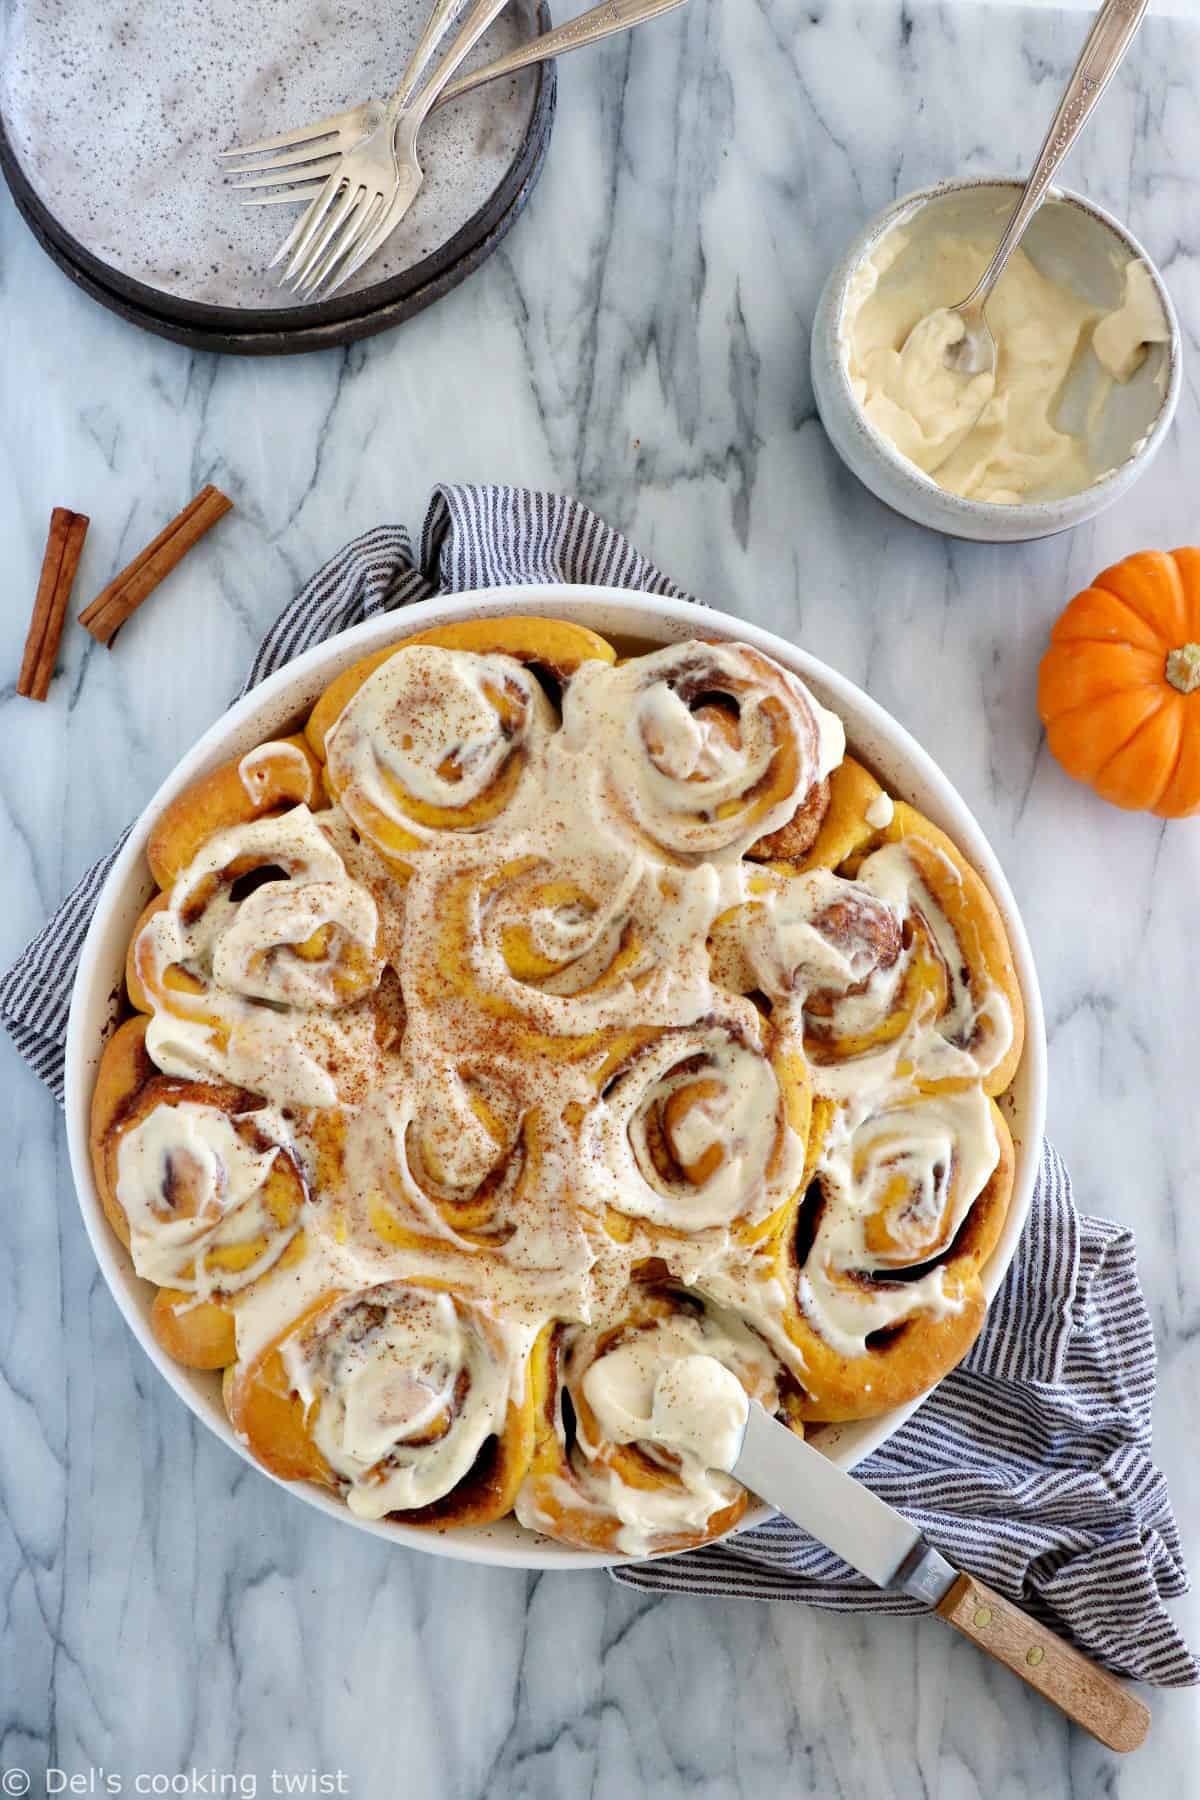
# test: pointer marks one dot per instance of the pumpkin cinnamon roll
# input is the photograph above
(270, 779)
(706, 749)
(553, 649)
(809, 936)
(552, 955)
(907, 959)
(434, 741)
(879, 1259)
(405, 1399)
(199, 1183)
(952, 995)
(262, 937)
(702, 1127)
(471, 1153)
(436, 735)
(850, 820)
(601, 1476)
(464, 1162)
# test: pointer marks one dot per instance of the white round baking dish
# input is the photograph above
(282, 701)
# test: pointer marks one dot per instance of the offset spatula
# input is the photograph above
(885, 1547)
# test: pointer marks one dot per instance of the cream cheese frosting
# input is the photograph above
(700, 1410)
(991, 437)
(1122, 338)
(406, 1386)
(678, 1389)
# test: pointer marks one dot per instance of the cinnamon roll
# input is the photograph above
(812, 935)
(552, 648)
(703, 1126)
(407, 1400)
(601, 1475)
(269, 779)
(198, 1182)
(850, 819)
(434, 741)
(261, 940)
(879, 1260)
(465, 1161)
(952, 995)
(550, 959)
(705, 749)
(542, 1046)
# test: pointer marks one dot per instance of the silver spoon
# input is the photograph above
(970, 351)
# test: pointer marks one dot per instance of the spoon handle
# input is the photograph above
(1110, 37)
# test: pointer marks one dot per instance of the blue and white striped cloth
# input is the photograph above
(1030, 1465)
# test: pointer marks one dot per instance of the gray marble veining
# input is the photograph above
(640, 338)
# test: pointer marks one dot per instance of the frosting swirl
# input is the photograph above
(705, 748)
(702, 1127)
(406, 1384)
(211, 1201)
(262, 935)
(435, 740)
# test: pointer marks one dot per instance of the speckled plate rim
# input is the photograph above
(1046, 516)
(283, 330)
(286, 696)
(315, 337)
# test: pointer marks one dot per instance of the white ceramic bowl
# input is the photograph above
(282, 701)
(1072, 240)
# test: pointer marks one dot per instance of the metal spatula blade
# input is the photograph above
(888, 1549)
(847, 1517)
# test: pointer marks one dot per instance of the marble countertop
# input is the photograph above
(641, 339)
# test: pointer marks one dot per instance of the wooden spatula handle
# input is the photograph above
(1086, 1693)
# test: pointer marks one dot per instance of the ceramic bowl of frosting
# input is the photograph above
(637, 622)
(1088, 367)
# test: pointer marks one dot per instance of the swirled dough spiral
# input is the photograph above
(704, 748)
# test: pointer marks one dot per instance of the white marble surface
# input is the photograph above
(641, 339)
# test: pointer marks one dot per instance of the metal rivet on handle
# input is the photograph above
(983, 1615)
(1034, 1656)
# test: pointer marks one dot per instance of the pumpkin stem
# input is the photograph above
(1183, 668)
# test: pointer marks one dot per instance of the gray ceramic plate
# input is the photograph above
(192, 270)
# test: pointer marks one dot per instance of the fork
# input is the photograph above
(314, 149)
(307, 158)
(374, 183)
(314, 152)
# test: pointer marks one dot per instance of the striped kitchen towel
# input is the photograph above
(1030, 1464)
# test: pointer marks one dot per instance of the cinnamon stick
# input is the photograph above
(64, 545)
(123, 595)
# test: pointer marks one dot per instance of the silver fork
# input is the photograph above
(311, 152)
(373, 184)
(314, 149)
(311, 156)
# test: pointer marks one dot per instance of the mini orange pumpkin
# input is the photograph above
(1119, 687)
